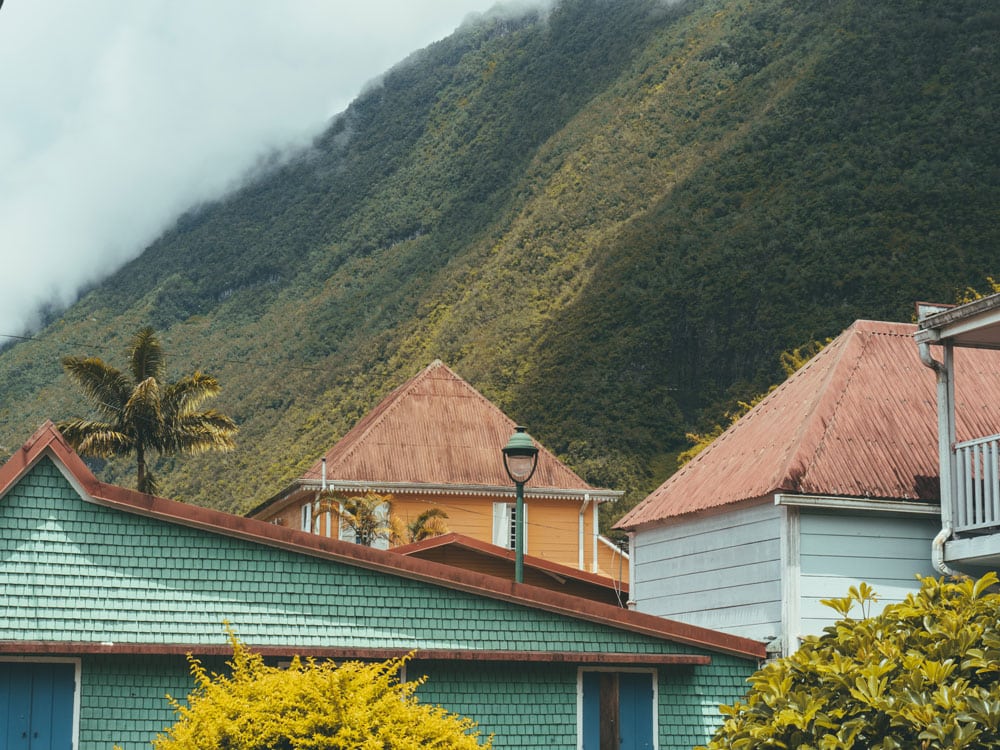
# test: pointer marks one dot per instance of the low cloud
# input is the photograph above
(119, 116)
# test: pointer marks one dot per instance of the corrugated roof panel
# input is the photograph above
(435, 429)
(859, 420)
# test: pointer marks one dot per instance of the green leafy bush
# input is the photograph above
(923, 674)
(310, 705)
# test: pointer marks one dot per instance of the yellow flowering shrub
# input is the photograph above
(311, 705)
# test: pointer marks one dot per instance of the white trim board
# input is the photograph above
(830, 502)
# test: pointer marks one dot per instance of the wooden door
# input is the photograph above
(36, 706)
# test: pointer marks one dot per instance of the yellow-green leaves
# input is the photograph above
(310, 705)
(923, 674)
(862, 595)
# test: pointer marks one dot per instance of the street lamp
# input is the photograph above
(520, 457)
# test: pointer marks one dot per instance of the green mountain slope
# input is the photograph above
(610, 220)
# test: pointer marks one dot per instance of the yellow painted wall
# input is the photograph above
(552, 528)
(611, 563)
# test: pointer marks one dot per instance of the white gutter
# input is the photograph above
(946, 438)
(596, 520)
(937, 554)
(580, 524)
(631, 571)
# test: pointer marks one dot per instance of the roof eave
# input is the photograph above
(430, 488)
(338, 653)
(862, 504)
(974, 324)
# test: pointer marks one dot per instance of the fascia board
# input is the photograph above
(826, 502)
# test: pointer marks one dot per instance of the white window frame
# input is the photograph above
(306, 517)
(346, 534)
(76, 662)
(504, 529)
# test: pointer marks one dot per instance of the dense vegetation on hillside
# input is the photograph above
(610, 219)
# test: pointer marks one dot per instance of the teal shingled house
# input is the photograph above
(104, 590)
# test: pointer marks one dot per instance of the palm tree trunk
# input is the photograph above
(140, 460)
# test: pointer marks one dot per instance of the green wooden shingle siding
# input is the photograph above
(542, 697)
(690, 699)
(522, 705)
(123, 698)
(73, 570)
(81, 572)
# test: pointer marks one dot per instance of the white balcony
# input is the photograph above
(976, 508)
(970, 471)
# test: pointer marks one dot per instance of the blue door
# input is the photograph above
(36, 706)
(617, 711)
(635, 710)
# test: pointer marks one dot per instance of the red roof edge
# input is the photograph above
(47, 440)
(63, 648)
(46, 437)
(454, 539)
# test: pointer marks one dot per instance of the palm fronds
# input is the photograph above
(145, 414)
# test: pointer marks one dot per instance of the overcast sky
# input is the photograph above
(116, 115)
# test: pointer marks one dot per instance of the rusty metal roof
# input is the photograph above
(859, 420)
(465, 551)
(435, 429)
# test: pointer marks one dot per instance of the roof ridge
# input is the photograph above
(355, 441)
(46, 439)
(503, 553)
(390, 403)
(541, 448)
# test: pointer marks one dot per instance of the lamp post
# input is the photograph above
(520, 457)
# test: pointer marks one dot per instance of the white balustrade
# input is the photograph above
(977, 480)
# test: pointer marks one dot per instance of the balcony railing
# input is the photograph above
(977, 479)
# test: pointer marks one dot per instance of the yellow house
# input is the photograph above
(435, 442)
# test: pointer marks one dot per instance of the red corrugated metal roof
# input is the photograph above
(435, 429)
(559, 573)
(858, 420)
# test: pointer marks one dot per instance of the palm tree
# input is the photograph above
(142, 413)
(429, 523)
(368, 516)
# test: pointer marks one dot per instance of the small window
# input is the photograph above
(347, 533)
(505, 525)
(307, 517)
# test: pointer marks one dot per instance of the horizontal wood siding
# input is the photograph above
(840, 550)
(554, 531)
(721, 572)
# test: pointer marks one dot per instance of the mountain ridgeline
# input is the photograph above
(610, 218)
